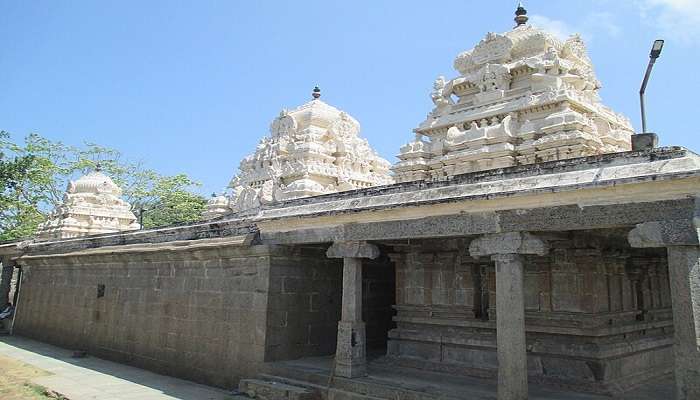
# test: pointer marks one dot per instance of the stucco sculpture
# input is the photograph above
(91, 205)
(312, 150)
(521, 97)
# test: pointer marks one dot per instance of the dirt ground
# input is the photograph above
(15, 380)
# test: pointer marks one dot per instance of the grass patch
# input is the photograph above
(15, 381)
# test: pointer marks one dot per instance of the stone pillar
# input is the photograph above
(350, 353)
(8, 267)
(681, 241)
(506, 250)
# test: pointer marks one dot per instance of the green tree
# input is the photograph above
(40, 169)
(18, 218)
(167, 202)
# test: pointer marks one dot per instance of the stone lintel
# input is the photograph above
(681, 232)
(542, 219)
(508, 243)
(353, 249)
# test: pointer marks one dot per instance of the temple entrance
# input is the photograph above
(378, 299)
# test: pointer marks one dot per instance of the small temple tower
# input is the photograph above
(521, 97)
(312, 150)
(91, 205)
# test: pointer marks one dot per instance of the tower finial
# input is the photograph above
(520, 15)
(316, 92)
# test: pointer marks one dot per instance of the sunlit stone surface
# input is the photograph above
(91, 205)
(521, 97)
(312, 150)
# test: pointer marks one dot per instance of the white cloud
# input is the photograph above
(676, 19)
(603, 21)
(556, 27)
(593, 24)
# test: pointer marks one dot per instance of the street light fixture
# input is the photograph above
(653, 55)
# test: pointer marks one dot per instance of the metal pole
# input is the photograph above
(641, 93)
(141, 217)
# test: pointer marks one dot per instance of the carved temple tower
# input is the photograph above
(91, 205)
(312, 150)
(521, 97)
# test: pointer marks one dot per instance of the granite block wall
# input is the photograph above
(200, 315)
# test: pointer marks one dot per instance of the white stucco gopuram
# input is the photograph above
(521, 97)
(217, 205)
(91, 205)
(312, 150)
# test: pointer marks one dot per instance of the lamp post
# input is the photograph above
(646, 140)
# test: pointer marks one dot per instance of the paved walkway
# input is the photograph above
(91, 378)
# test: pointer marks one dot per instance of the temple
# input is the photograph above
(524, 251)
(521, 97)
(91, 205)
(312, 150)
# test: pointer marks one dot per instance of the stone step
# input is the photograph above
(337, 394)
(364, 388)
(323, 390)
(275, 390)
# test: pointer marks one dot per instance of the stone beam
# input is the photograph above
(353, 249)
(541, 219)
(681, 232)
(680, 237)
(507, 243)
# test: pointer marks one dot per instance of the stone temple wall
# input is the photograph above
(304, 304)
(597, 313)
(210, 315)
(200, 315)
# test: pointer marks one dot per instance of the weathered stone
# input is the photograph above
(354, 249)
(350, 354)
(510, 328)
(8, 267)
(684, 271)
(270, 390)
(665, 233)
(507, 243)
(644, 141)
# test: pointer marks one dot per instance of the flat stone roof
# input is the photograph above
(606, 179)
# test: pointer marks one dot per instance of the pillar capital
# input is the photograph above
(680, 232)
(508, 243)
(353, 249)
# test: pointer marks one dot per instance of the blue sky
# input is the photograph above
(191, 86)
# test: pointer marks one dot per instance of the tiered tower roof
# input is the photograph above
(312, 150)
(91, 205)
(520, 97)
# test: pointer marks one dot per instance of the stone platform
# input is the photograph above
(387, 381)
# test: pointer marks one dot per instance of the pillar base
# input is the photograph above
(350, 358)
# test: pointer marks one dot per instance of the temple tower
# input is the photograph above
(91, 205)
(312, 150)
(521, 97)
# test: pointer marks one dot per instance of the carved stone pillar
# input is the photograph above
(506, 249)
(350, 353)
(681, 241)
(8, 267)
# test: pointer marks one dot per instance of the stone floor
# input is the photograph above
(389, 381)
(91, 378)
